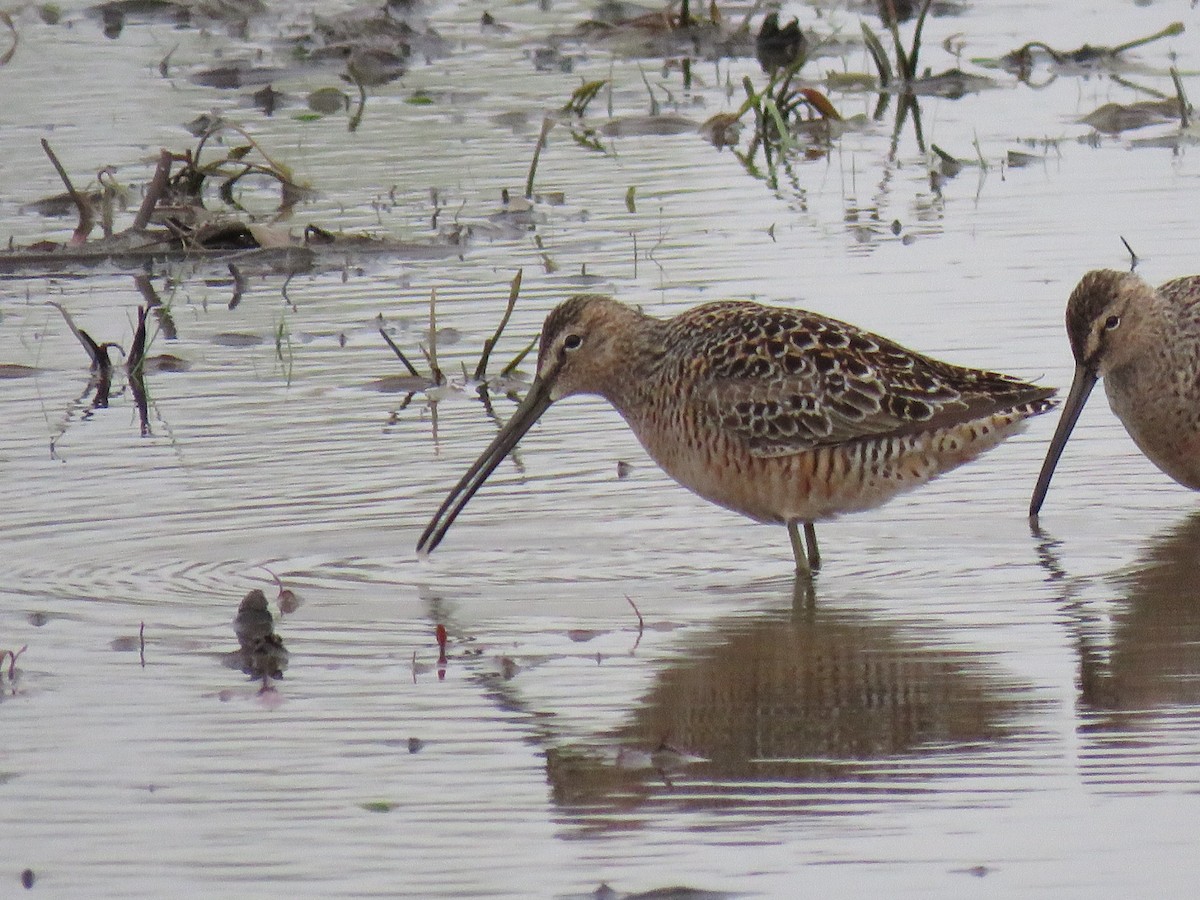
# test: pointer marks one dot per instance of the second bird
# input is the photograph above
(782, 415)
(1145, 343)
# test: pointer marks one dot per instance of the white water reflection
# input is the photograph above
(969, 706)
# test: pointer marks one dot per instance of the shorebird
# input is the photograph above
(782, 415)
(1145, 344)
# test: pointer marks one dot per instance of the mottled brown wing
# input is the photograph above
(1184, 294)
(795, 381)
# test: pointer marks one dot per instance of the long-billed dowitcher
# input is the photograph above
(1145, 344)
(782, 415)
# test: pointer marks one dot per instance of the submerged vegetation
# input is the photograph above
(479, 380)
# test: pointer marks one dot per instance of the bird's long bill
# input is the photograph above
(1081, 386)
(529, 411)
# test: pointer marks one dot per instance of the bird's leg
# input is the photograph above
(810, 538)
(798, 550)
(804, 594)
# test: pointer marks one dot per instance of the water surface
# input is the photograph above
(971, 707)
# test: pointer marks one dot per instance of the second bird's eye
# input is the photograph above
(1112, 322)
(572, 342)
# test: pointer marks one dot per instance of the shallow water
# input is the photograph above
(970, 707)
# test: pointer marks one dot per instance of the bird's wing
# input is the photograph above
(1184, 295)
(817, 382)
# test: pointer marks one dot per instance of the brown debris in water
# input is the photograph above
(173, 222)
(1021, 60)
(1113, 118)
(261, 653)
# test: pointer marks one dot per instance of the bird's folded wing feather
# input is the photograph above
(781, 404)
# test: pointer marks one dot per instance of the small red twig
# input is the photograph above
(440, 632)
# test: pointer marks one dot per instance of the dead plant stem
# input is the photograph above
(86, 220)
(490, 343)
(547, 124)
(154, 191)
(399, 353)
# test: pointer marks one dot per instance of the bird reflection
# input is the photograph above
(787, 711)
(1146, 655)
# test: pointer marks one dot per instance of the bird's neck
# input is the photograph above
(1160, 326)
(642, 352)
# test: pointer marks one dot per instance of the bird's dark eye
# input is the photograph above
(572, 342)
(1111, 323)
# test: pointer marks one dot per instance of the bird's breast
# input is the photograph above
(1161, 411)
